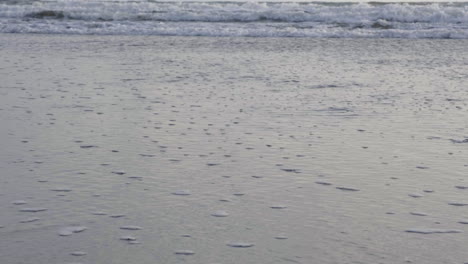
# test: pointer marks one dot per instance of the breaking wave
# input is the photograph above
(270, 19)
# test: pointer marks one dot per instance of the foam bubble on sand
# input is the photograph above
(240, 244)
(220, 213)
(33, 210)
(99, 213)
(184, 252)
(323, 183)
(117, 215)
(130, 227)
(432, 231)
(147, 155)
(78, 253)
(182, 192)
(292, 170)
(458, 203)
(70, 230)
(88, 146)
(281, 237)
(128, 238)
(19, 202)
(278, 207)
(29, 220)
(418, 213)
(61, 190)
(349, 189)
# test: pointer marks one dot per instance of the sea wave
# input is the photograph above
(279, 19)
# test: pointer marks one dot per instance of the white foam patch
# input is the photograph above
(182, 192)
(220, 213)
(70, 230)
(253, 19)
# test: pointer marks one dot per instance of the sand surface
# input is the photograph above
(232, 150)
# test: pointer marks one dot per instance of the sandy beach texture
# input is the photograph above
(138, 149)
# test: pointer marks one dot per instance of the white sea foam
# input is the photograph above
(19, 202)
(399, 20)
(220, 213)
(68, 231)
(182, 192)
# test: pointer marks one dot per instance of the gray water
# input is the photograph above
(221, 150)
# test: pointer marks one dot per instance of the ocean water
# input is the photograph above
(237, 18)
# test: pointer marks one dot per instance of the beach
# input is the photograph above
(165, 149)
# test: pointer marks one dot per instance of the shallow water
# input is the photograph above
(223, 150)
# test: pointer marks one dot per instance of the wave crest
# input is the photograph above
(239, 18)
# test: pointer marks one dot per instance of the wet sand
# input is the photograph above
(232, 150)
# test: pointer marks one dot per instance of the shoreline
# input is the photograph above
(149, 149)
